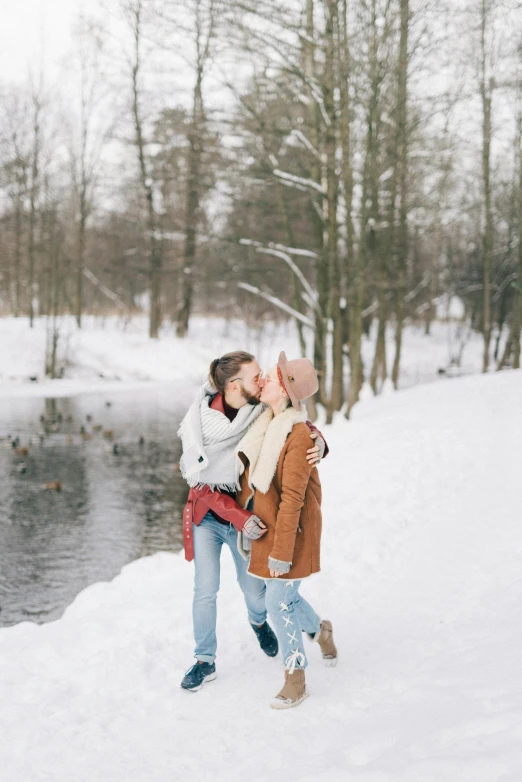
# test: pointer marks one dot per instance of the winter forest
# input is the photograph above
(340, 180)
(346, 164)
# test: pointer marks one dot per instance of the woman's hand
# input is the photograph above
(278, 568)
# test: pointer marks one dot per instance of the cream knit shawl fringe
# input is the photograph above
(263, 443)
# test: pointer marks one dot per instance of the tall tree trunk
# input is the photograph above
(353, 272)
(380, 364)
(18, 244)
(35, 173)
(297, 302)
(517, 322)
(155, 260)
(344, 69)
(402, 149)
(316, 220)
(517, 306)
(55, 284)
(375, 244)
(82, 208)
(369, 240)
(334, 278)
(202, 42)
(80, 258)
(192, 205)
(434, 275)
(486, 90)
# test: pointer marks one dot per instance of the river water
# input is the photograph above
(121, 495)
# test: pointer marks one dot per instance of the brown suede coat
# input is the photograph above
(291, 509)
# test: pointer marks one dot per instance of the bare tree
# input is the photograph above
(401, 147)
(315, 206)
(204, 15)
(18, 193)
(512, 347)
(516, 336)
(134, 14)
(486, 87)
(371, 243)
(353, 271)
(332, 273)
(88, 133)
(34, 188)
(14, 182)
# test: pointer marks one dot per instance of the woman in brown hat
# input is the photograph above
(285, 491)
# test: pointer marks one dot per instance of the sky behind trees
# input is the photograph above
(344, 162)
(36, 32)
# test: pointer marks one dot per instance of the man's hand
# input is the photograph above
(254, 528)
(315, 454)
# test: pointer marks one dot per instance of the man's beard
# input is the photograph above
(251, 400)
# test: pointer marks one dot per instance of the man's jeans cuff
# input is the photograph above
(204, 658)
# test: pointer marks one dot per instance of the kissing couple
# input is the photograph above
(254, 486)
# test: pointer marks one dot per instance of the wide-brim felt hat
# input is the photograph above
(299, 378)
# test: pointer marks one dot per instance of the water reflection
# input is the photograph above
(114, 493)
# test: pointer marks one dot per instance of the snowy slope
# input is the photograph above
(117, 351)
(422, 579)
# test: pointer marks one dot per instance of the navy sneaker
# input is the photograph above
(200, 673)
(267, 639)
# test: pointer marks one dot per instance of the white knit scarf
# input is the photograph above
(210, 442)
(263, 443)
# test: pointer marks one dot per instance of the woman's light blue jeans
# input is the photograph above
(209, 537)
(291, 616)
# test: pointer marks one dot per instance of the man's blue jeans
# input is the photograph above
(209, 537)
(291, 615)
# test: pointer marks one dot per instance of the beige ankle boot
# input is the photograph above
(293, 692)
(325, 640)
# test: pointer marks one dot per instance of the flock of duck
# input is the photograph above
(53, 425)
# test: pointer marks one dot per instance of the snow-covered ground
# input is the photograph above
(112, 351)
(422, 578)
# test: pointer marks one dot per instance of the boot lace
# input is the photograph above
(294, 659)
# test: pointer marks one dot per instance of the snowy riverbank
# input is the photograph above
(421, 578)
(111, 351)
